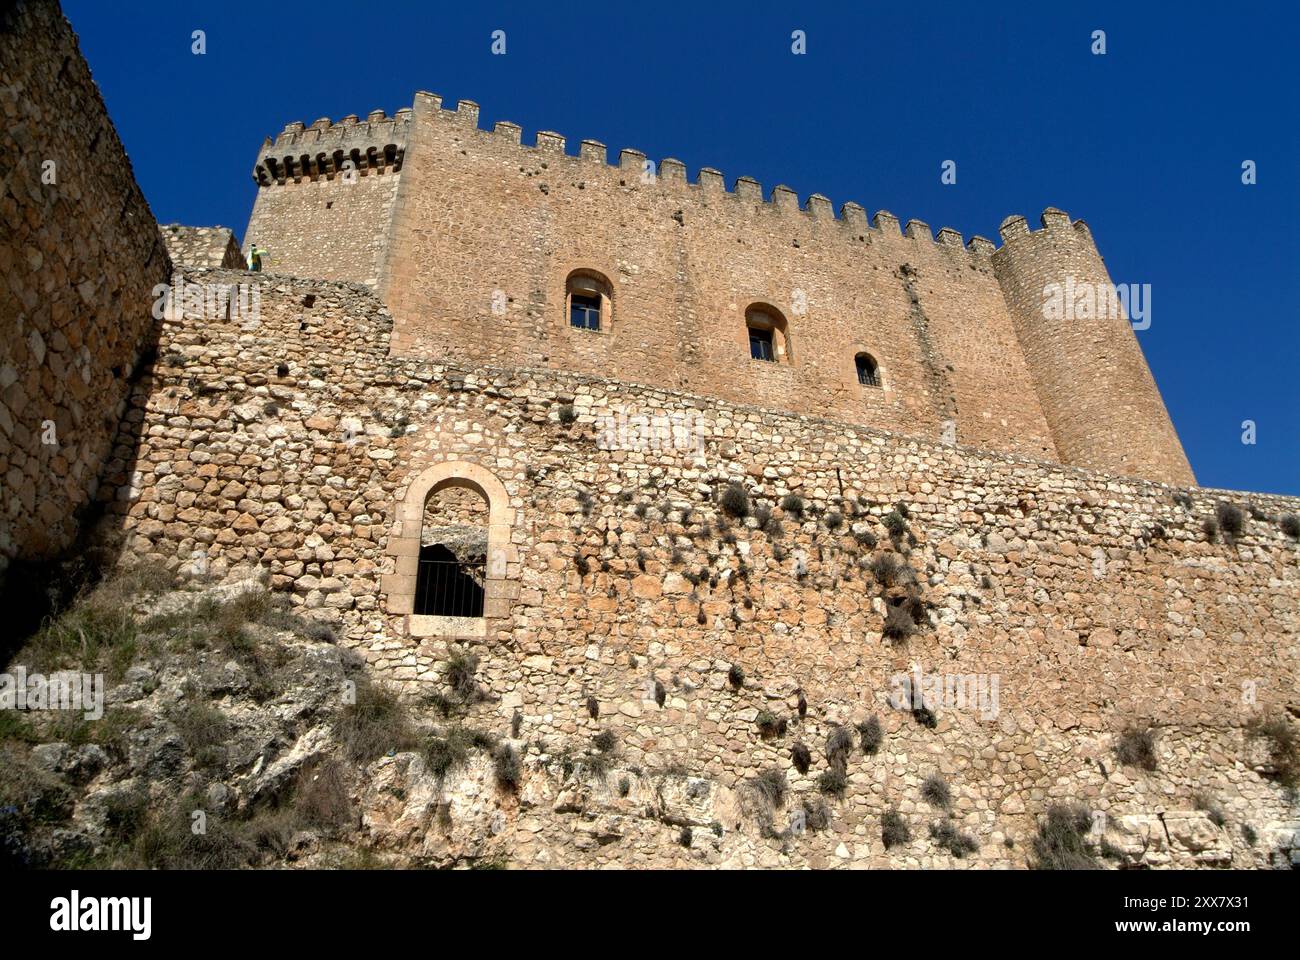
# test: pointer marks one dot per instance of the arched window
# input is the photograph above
(588, 300)
(453, 554)
(768, 336)
(868, 370)
(452, 506)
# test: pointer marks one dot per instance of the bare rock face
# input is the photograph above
(1174, 838)
(468, 543)
(230, 702)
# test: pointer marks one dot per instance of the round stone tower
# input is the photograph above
(1093, 382)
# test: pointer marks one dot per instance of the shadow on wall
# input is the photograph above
(34, 589)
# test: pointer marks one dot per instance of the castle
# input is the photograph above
(711, 472)
(477, 245)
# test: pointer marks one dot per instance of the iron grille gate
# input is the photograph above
(447, 588)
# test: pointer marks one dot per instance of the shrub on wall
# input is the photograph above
(769, 724)
(372, 726)
(839, 742)
(834, 782)
(451, 749)
(461, 668)
(925, 717)
(894, 830)
(895, 524)
(1136, 747)
(899, 624)
(948, 837)
(801, 757)
(734, 500)
(1061, 841)
(771, 786)
(885, 567)
(934, 789)
(816, 815)
(871, 734)
(506, 767)
(1283, 747)
(1231, 519)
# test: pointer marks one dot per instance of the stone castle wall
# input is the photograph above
(79, 259)
(288, 441)
(202, 246)
(473, 248)
(298, 432)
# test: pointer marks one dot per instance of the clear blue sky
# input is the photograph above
(1145, 143)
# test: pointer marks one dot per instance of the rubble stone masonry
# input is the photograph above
(80, 255)
(289, 443)
(202, 246)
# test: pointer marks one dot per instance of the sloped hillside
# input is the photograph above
(234, 734)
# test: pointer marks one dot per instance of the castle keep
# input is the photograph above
(475, 242)
(709, 470)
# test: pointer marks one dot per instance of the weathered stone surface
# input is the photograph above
(80, 256)
(202, 246)
(1004, 563)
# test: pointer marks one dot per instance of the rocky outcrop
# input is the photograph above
(469, 544)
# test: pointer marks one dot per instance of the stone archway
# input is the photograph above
(501, 565)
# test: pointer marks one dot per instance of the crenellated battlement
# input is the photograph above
(709, 182)
(378, 144)
(1052, 220)
(1089, 405)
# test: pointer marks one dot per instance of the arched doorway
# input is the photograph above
(453, 554)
